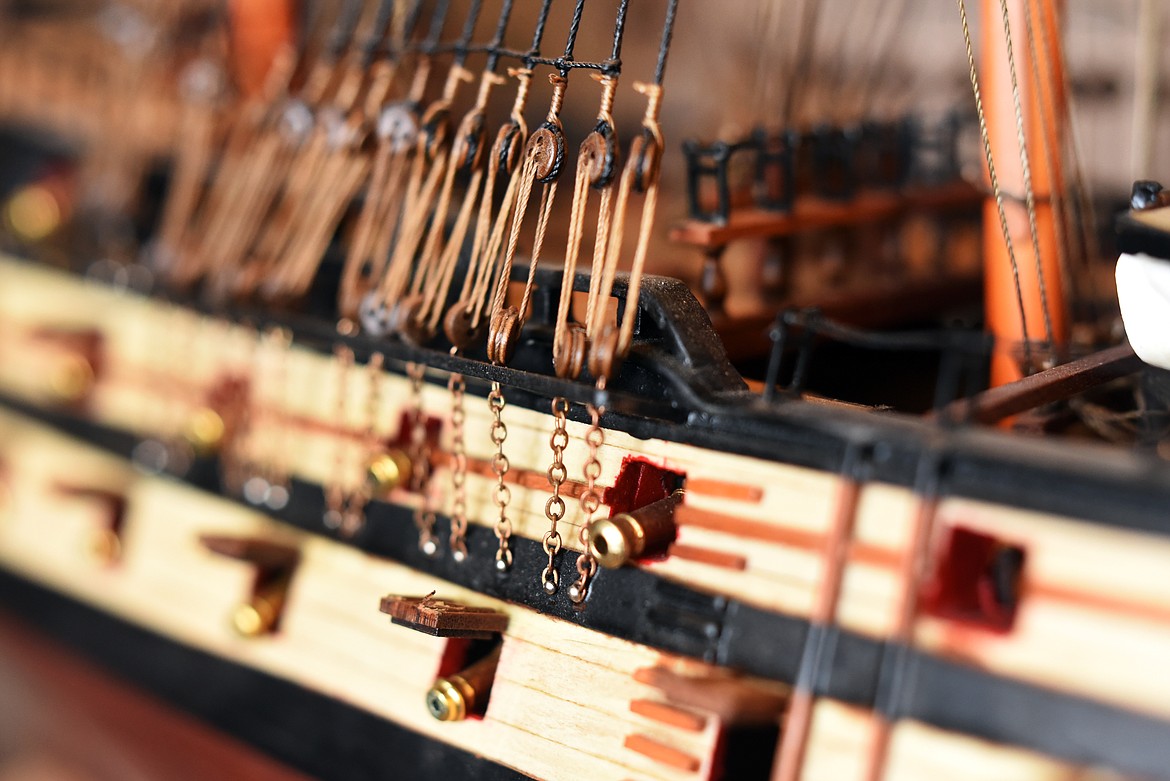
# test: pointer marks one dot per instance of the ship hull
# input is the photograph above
(737, 591)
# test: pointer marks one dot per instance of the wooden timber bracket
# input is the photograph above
(1055, 384)
(260, 612)
(440, 618)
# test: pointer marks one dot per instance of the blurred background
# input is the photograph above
(106, 77)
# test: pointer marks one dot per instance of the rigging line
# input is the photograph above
(538, 34)
(424, 184)
(358, 76)
(507, 321)
(649, 210)
(895, 679)
(809, 19)
(369, 247)
(1081, 209)
(521, 97)
(815, 653)
(664, 44)
(313, 71)
(461, 50)
(274, 159)
(1146, 83)
(344, 29)
(914, 88)
(595, 164)
(574, 28)
(314, 13)
(437, 113)
(880, 70)
(436, 263)
(430, 44)
(768, 74)
(525, 174)
(594, 167)
(641, 173)
(451, 253)
(320, 69)
(382, 65)
(396, 269)
(286, 263)
(378, 40)
(1026, 167)
(410, 26)
(438, 22)
(868, 50)
(619, 31)
(428, 47)
(773, 65)
(791, 52)
(995, 189)
(591, 167)
(497, 41)
(245, 128)
(1048, 125)
(834, 78)
(1086, 208)
(563, 64)
(1083, 214)
(489, 231)
(547, 198)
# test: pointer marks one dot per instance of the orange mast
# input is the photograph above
(260, 29)
(1043, 114)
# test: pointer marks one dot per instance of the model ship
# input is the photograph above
(334, 461)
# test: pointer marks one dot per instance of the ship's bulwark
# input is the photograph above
(748, 617)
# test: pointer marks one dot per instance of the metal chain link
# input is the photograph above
(251, 460)
(279, 341)
(354, 517)
(335, 494)
(554, 508)
(590, 501)
(238, 454)
(458, 387)
(420, 459)
(500, 466)
(189, 344)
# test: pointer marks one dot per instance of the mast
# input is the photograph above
(259, 30)
(1147, 61)
(1042, 101)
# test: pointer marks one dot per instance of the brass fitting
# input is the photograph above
(71, 379)
(260, 614)
(205, 431)
(644, 532)
(105, 545)
(456, 697)
(449, 698)
(388, 471)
